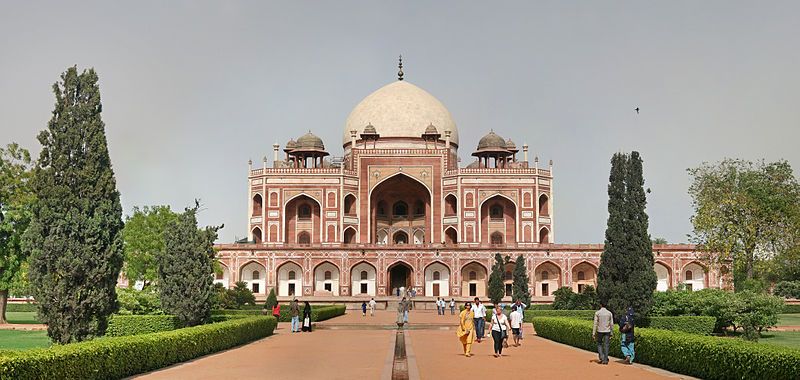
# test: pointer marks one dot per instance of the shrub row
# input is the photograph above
(119, 357)
(791, 309)
(579, 314)
(318, 313)
(705, 357)
(21, 307)
(123, 325)
(688, 324)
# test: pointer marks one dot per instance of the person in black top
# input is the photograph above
(626, 326)
(307, 317)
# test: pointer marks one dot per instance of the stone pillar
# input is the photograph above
(264, 166)
(525, 151)
(353, 139)
(274, 155)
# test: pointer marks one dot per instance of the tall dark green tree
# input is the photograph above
(75, 240)
(626, 276)
(16, 199)
(186, 269)
(496, 287)
(520, 288)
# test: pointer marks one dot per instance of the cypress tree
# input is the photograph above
(272, 300)
(496, 288)
(75, 239)
(520, 287)
(641, 281)
(186, 269)
(612, 272)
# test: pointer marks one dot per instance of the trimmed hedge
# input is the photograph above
(540, 306)
(119, 357)
(21, 307)
(688, 324)
(579, 314)
(705, 357)
(124, 325)
(791, 309)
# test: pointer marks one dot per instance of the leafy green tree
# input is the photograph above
(242, 295)
(186, 269)
(16, 199)
(520, 288)
(144, 240)
(496, 287)
(626, 276)
(272, 300)
(787, 289)
(562, 298)
(745, 212)
(758, 313)
(139, 302)
(74, 239)
(221, 298)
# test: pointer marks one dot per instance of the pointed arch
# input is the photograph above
(437, 279)
(450, 235)
(450, 205)
(350, 204)
(544, 235)
(474, 279)
(544, 205)
(349, 235)
(584, 273)
(663, 276)
(290, 278)
(258, 205)
(326, 278)
(548, 277)
(253, 273)
(258, 236)
(363, 278)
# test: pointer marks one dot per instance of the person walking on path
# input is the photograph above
(307, 317)
(452, 306)
(479, 312)
(364, 309)
(466, 329)
(521, 308)
(402, 312)
(516, 324)
(276, 311)
(372, 307)
(294, 312)
(601, 331)
(499, 327)
(441, 304)
(626, 337)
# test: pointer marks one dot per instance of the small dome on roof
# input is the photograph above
(510, 145)
(291, 144)
(431, 130)
(310, 141)
(491, 141)
(369, 130)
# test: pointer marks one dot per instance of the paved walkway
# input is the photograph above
(356, 347)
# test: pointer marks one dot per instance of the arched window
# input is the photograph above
(257, 235)
(581, 276)
(509, 275)
(497, 238)
(349, 204)
(496, 212)
(256, 275)
(473, 275)
(304, 211)
(545, 275)
(689, 276)
(544, 235)
(400, 209)
(304, 238)
(327, 275)
(419, 208)
(292, 275)
(364, 275)
(258, 204)
(436, 275)
(450, 205)
(544, 209)
(401, 238)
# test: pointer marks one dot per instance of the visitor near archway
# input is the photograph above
(364, 309)
(601, 331)
(626, 337)
(294, 312)
(516, 324)
(499, 327)
(452, 306)
(466, 329)
(372, 304)
(479, 312)
(307, 317)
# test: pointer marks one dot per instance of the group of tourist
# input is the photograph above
(371, 305)
(472, 321)
(441, 305)
(294, 312)
(601, 332)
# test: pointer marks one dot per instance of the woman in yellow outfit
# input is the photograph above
(466, 329)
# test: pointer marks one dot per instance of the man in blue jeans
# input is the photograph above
(294, 312)
(479, 312)
(601, 331)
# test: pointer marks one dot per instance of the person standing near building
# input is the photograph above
(372, 307)
(521, 308)
(499, 327)
(516, 324)
(466, 329)
(294, 312)
(307, 317)
(452, 306)
(626, 337)
(479, 312)
(364, 309)
(601, 331)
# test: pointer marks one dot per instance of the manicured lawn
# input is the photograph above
(20, 340)
(781, 338)
(26, 317)
(789, 320)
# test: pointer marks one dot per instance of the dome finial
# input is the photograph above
(400, 66)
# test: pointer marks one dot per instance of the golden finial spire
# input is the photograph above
(400, 66)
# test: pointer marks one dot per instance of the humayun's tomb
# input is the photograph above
(397, 210)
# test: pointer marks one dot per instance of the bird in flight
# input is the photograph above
(637, 110)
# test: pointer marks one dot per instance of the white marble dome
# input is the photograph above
(400, 109)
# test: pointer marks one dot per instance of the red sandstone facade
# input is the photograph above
(397, 211)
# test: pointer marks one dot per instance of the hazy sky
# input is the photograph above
(191, 90)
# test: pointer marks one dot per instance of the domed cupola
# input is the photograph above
(310, 141)
(290, 146)
(308, 151)
(493, 151)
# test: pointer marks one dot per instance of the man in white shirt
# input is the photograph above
(479, 312)
(521, 308)
(516, 324)
(601, 331)
(372, 307)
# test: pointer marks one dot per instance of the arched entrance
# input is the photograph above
(473, 280)
(399, 277)
(662, 276)
(498, 220)
(400, 205)
(583, 274)
(437, 280)
(548, 278)
(363, 275)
